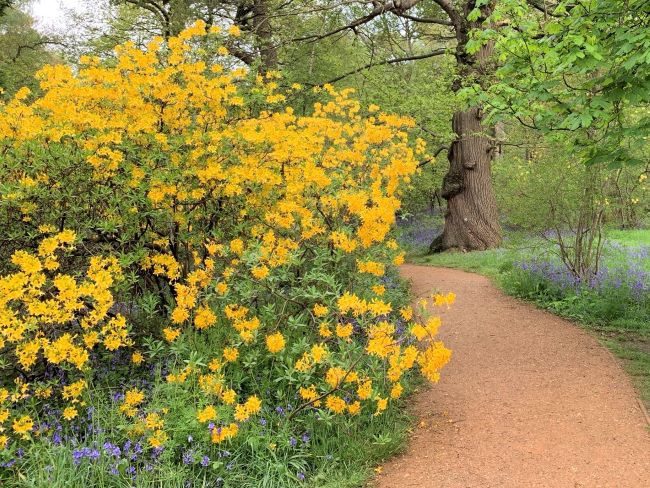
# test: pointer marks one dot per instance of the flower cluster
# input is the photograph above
(48, 318)
(259, 239)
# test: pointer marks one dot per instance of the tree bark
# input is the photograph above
(471, 218)
(263, 33)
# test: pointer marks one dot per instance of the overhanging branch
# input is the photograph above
(437, 52)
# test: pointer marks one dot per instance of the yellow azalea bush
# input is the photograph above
(173, 205)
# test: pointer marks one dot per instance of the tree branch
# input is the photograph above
(437, 52)
(398, 7)
(157, 10)
(449, 9)
(427, 21)
(34, 46)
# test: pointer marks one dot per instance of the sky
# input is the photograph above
(51, 13)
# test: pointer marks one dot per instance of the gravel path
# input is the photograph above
(528, 400)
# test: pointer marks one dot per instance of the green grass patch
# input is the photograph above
(634, 237)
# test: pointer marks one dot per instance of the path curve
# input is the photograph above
(528, 400)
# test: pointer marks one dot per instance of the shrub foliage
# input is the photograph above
(172, 205)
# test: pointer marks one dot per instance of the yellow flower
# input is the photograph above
(26, 262)
(324, 330)
(440, 299)
(137, 358)
(309, 393)
(275, 342)
(344, 331)
(207, 414)
(230, 354)
(69, 413)
(335, 403)
(379, 289)
(214, 365)
(132, 399)
(180, 315)
(241, 413)
(320, 310)
(432, 360)
(171, 334)
(253, 405)
(334, 376)
(204, 318)
(304, 363)
(382, 404)
(260, 272)
(354, 408)
(406, 313)
(157, 439)
(229, 397)
(153, 421)
(318, 352)
(396, 391)
(23, 425)
(237, 246)
(220, 434)
(364, 390)
(91, 339)
(74, 390)
(372, 267)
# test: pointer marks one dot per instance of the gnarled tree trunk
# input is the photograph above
(471, 219)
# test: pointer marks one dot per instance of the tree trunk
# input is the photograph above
(264, 36)
(472, 218)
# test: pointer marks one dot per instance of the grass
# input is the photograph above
(636, 237)
(348, 452)
(624, 329)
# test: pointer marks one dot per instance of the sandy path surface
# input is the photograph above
(528, 400)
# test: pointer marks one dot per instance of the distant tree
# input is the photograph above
(252, 16)
(23, 50)
(4, 5)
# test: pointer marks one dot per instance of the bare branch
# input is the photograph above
(437, 52)
(35, 46)
(398, 7)
(155, 9)
(427, 21)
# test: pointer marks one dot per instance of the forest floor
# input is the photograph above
(528, 400)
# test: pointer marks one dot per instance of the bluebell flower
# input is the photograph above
(112, 449)
(188, 457)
